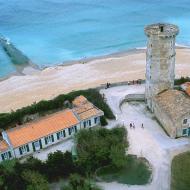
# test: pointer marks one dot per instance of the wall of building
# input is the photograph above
(44, 145)
(165, 121)
(181, 126)
(92, 119)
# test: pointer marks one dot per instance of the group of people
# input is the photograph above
(132, 126)
(139, 81)
(108, 85)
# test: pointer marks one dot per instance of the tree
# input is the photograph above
(34, 181)
(97, 148)
(59, 164)
(118, 156)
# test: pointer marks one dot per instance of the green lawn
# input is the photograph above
(136, 172)
(180, 172)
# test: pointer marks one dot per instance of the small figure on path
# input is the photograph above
(103, 96)
(107, 85)
(142, 126)
(131, 126)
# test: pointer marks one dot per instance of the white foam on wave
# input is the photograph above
(182, 45)
(140, 48)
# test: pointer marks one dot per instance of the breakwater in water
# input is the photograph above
(16, 56)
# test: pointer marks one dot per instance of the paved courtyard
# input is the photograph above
(62, 146)
(151, 142)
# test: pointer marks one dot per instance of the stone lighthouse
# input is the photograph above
(160, 60)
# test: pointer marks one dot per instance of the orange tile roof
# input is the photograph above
(188, 90)
(90, 113)
(85, 109)
(186, 84)
(79, 100)
(3, 146)
(43, 127)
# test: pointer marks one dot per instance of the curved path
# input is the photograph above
(150, 142)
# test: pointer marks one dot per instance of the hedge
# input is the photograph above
(8, 120)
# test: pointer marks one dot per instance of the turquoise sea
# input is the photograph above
(50, 32)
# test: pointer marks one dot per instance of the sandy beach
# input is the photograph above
(19, 91)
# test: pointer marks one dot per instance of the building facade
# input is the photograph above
(37, 135)
(172, 109)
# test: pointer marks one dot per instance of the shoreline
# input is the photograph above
(23, 70)
(32, 68)
(21, 90)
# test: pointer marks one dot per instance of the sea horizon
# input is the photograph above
(52, 32)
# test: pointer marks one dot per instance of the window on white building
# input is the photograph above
(61, 134)
(185, 121)
(84, 123)
(24, 149)
(184, 131)
(49, 139)
(72, 129)
(95, 120)
(6, 155)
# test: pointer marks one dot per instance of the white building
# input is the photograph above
(34, 136)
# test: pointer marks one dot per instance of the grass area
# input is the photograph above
(180, 172)
(136, 172)
(8, 165)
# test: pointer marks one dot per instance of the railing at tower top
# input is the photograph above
(16, 56)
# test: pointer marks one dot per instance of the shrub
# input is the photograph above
(96, 148)
(77, 182)
(181, 80)
(34, 181)
(103, 121)
(59, 164)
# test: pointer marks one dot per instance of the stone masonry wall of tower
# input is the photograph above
(160, 59)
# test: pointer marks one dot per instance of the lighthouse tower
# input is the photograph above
(160, 60)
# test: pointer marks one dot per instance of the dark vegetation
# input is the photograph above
(44, 107)
(34, 174)
(98, 148)
(134, 172)
(180, 172)
(77, 182)
(181, 80)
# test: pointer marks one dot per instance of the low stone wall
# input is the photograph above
(124, 83)
(132, 98)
